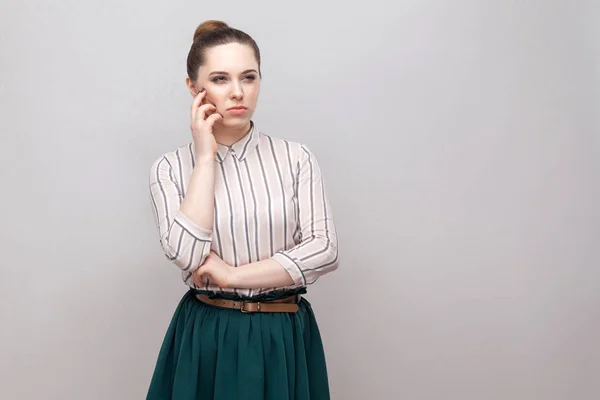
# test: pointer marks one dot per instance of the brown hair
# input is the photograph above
(213, 33)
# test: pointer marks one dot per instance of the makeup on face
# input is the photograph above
(237, 110)
(232, 82)
(233, 97)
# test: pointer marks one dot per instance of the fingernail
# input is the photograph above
(202, 90)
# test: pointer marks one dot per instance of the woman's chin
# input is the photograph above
(233, 122)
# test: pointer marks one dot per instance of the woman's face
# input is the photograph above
(230, 77)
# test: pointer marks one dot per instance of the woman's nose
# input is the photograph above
(236, 91)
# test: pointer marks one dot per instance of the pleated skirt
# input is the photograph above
(216, 353)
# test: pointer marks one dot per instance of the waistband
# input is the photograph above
(267, 296)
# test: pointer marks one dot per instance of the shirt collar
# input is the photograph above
(241, 148)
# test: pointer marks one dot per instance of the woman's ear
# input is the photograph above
(191, 87)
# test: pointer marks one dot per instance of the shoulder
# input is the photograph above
(296, 150)
(173, 159)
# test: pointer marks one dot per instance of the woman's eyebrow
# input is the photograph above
(225, 73)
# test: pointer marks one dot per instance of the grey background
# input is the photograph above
(460, 143)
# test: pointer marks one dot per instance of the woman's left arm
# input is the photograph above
(301, 265)
(317, 252)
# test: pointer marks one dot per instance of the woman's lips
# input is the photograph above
(237, 110)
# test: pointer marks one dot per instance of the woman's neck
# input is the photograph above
(228, 136)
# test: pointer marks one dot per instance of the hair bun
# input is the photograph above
(208, 26)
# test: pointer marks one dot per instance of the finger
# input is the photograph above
(212, 119)
(196, 280)
(201, 112)
(196, 103)
(199, 278)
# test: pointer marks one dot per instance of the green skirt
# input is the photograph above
(223, 354)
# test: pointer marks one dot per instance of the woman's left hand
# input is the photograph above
(215, 269)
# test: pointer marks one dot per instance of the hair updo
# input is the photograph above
(212, 33)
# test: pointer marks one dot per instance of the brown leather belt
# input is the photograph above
(287, 304)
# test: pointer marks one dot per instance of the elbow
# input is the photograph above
(187, 258)
(332, 259)
(329, 261)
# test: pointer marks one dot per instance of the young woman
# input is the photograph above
(245, 216)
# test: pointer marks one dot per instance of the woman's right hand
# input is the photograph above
(202, 126)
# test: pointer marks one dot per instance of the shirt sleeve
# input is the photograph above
(317, 252)
(184, 243)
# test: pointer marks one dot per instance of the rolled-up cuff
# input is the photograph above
(192, 228)
(292, 267)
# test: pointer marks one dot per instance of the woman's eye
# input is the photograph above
(221, 79)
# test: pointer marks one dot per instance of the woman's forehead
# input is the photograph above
(231, 58)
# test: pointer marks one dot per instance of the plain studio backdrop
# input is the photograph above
(460, 143)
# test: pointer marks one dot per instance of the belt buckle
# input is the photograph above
(243, 309)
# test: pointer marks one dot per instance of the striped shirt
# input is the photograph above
(270, 202)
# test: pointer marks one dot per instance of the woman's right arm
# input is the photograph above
(185, 223)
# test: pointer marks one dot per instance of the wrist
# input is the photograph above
(233, 278)
(205, 158)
